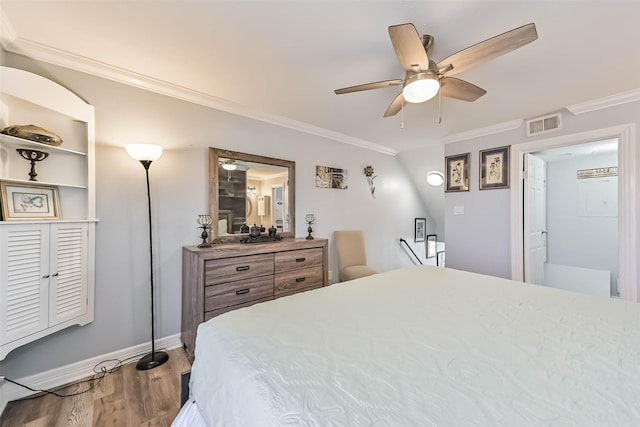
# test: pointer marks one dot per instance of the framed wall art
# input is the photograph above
(328, 177)
(494, 168)
(21, 201)
(440, 259)
(457, 172)
(432, 244)
(419, 232)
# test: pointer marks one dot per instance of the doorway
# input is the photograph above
(626, 224)
(571, 218)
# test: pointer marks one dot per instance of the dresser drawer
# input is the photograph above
(213, 313)
(238, 292)
(292, 281)
(237, 268)
(293, 260)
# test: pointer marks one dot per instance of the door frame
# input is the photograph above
(627, 246)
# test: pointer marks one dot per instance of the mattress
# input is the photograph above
(422, 346)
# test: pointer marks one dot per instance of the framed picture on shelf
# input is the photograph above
(419, 231)
(432, 242)
(440, 259)
(457, 172)
(494, 168)
(22, 201)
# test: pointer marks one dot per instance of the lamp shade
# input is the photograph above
(421, 87)
(144, 152)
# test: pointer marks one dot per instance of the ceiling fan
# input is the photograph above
(424, 78)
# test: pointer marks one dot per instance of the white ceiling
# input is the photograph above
(281, 61)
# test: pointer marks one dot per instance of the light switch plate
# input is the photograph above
(458, 210)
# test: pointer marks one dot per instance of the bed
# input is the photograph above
(420, 346)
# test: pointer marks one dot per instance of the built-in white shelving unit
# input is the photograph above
(47, 267)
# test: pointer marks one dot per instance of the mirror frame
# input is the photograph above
(214, 188)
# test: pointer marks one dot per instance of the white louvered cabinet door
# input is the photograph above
(24, 281)
(68, 270)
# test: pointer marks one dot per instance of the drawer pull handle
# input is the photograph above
(242, 291)
(300, 279)
(243, 268)
(46, 276)
(55, 275)
(300, 259)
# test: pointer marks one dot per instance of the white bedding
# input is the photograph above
(422, 346)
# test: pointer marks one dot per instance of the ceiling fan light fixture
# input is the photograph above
(420, 87)
(229, 165)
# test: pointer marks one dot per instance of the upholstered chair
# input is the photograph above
(352, 259)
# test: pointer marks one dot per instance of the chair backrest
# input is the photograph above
(350, 248)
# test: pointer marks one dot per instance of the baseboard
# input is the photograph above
(75, 371)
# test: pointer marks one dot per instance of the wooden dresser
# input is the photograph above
(228, 276)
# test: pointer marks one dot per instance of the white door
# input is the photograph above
(24, 280)
(535, 219)
(68, 270)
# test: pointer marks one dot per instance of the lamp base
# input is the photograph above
(152, 360)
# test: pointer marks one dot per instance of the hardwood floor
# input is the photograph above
(125, 398)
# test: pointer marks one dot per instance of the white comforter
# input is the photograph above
(422, 346)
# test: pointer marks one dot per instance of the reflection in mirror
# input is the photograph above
(246, 189)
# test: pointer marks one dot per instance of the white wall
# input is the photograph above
(575, 239)
(179, 191)
(480, 239)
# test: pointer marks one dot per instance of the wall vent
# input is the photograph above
(544, 124)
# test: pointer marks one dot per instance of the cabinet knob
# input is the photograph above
(45, 277)
(55, 275)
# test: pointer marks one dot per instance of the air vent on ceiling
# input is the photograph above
(543, 124)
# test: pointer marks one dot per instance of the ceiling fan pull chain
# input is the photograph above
(402, 115)
(439, 104)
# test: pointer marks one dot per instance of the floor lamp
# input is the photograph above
(147, 153)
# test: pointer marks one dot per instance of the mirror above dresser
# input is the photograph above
(250, 189)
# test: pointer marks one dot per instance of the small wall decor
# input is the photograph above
(597, 172)
(328, 177)
(494, 168)
(368, 172)
(457, 172)
(432, 242)
(419, 231)
(440, 259)
(29, 201)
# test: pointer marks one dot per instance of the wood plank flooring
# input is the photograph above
(125, 398)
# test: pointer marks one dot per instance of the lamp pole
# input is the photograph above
(146, 154)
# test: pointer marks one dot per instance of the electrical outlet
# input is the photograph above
(330, 274)
(1, 377)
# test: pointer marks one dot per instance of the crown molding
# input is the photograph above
(41, 52)
(477, 133)
(7, 32)
(606, 102)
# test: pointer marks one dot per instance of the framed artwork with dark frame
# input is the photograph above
(494, 168)
(21, 201)
(432, 244)
(440, 259)
(457, 168)
(419, 231)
